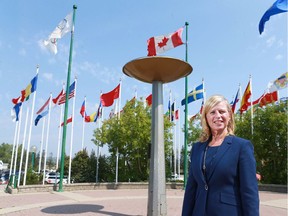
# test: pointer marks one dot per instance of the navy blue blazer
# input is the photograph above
(231, 189)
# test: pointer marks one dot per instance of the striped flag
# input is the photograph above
(71, 94)
(244, 102)
(57, 99)
(43, 107)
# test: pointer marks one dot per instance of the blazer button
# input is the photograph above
(206, 187)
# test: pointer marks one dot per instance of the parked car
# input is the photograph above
(55, 179)
(175, 177)
(3, 180)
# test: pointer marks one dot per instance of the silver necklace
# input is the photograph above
(204, 159)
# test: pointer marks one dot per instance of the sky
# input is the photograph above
(224, 49)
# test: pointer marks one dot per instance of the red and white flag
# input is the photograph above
(160, 44)
(57, 99)
(149, 100)
(69, 120)
(71, 94)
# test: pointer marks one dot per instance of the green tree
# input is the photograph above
(91, 166)
(194, 130)
(131, 136)
(105, 169)
(79, 167)
(269, 139)
(6, 152)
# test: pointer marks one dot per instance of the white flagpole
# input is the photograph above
(251, 104)
(179, 145)
(72, 131)
(117, 153)
(14, 144)
(97, 161)
(83, 124)
(175, 142)
(30, 131)
(41, 145)
(170, 104)
(59, 136)
(119, 100)
(204, 91)
(16, 147)
(59, 131)
(47, 139)
(23, 145)
(241, 97)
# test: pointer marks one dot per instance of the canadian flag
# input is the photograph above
(160, 44)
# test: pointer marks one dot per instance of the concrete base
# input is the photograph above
(122, 185)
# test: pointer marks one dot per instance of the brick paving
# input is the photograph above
(121, 202)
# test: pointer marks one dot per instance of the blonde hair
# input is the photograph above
(209, 104)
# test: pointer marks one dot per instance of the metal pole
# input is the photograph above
(66, 105)
(157, 182)
(186, 114)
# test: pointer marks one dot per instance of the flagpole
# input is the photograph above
(251, 104)
(41, 146)
(16, 147)
(170, 130)
(186, 113)
(117, 152)
(175, 141)
(14, 143)
(59, 136)
(66, 104)
(59, 131)
(47, 138)
(30, 131)
(98, 150)
(83, 124)
(97, 160)
(23, 145)
(179, 145)
(72, 131)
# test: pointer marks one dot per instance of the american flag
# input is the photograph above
(71, 94)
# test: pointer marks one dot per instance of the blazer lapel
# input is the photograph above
(200, 162)
(221, 152)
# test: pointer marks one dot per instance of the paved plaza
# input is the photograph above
(121, 202)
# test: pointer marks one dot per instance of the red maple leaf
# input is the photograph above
(163, 42)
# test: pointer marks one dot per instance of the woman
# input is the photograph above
(222, 171)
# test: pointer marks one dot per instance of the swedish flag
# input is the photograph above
(196, 94)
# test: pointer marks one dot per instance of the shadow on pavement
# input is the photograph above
(78, 209)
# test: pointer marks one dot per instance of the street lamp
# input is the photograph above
(33, 150)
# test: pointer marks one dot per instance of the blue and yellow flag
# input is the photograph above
(196, 94)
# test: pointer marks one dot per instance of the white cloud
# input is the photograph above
(105, 74)
(270, 41)
(278, 57)
(41, 45)
(48, 76)
(22, 52)
(280, 43)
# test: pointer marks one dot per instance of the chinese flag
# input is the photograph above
(107, 99)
